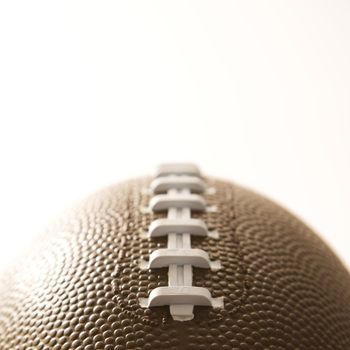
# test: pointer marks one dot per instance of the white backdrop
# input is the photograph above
(94, 92)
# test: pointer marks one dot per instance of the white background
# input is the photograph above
(94, 92)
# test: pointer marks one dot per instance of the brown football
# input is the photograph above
(176, 261)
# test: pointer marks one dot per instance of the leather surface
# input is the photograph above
(78, 286)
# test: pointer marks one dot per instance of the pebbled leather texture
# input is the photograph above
(78, 285)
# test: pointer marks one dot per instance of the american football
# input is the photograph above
(176, 260)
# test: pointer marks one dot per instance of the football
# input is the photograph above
(176, 260)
